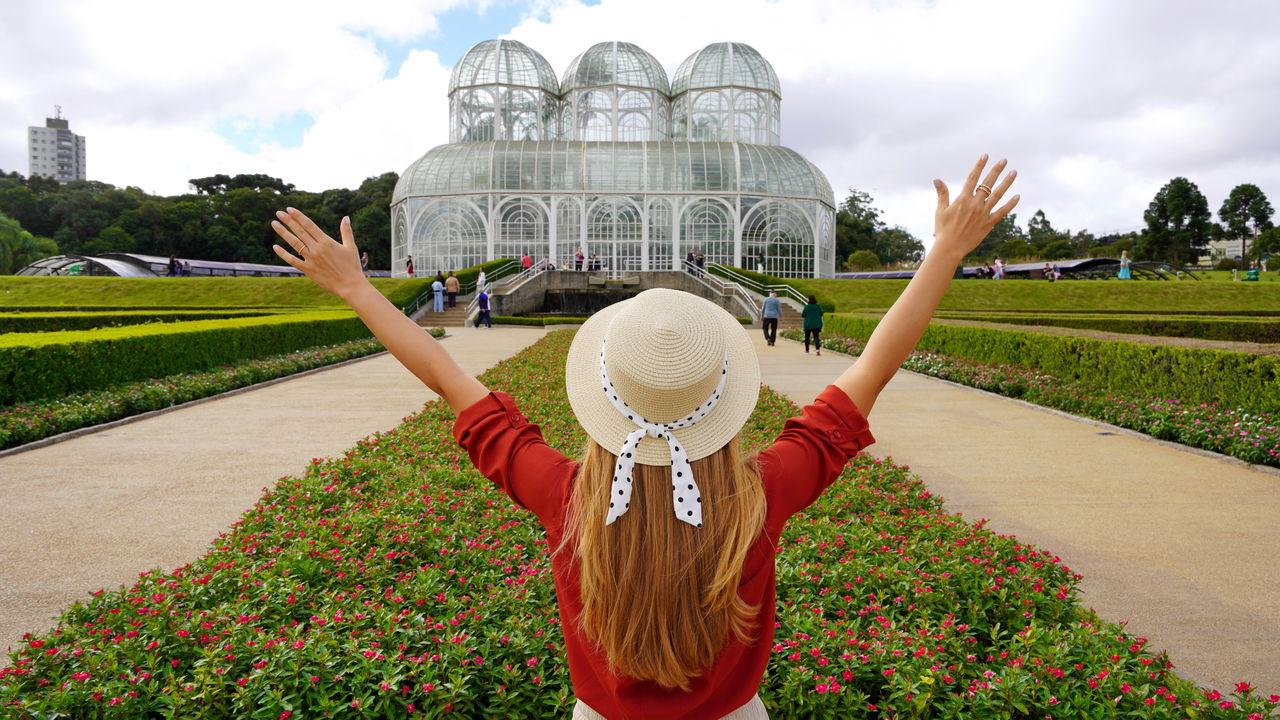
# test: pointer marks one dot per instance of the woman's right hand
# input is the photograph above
(333, 266)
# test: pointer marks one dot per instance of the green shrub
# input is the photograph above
(1227, 264)
(863, 260)
(1232, 379)
(1204, 328)
(536, 321)
(40, 365)
(26, 322)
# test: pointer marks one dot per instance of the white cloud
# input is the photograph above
(1097, 104)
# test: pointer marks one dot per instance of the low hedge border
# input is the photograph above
(536, 321)
(1251, 437)
(1217, 377)
(26, 322)
(1224, 329)
(44, 365)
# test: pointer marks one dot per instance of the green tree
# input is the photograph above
(112, 239)
(1016, 248)
(1178, 224)
(862, 260)
(1267, 243)
(19, 248)
(1039, 231)
(857, 222)
(1245, 214)
(1059, 249)
(372, 228)
(1004, 231)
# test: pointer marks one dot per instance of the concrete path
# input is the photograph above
(1181, 545)
(94, 511)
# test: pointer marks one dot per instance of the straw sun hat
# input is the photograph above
(666, 352)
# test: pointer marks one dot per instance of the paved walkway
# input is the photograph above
(1179, 544)
(94, 511)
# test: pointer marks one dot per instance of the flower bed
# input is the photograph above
(1251, 436)
(28, 422)
(395, 581)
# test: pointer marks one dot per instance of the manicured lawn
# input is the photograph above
(18, 292)
(395, 581)
(1075, 295)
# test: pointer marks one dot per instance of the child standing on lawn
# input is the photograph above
(667, 607)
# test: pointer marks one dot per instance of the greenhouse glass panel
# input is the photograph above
(782, 231)
(613, 233)
(661, 251)
(522, 228)
(707, 225)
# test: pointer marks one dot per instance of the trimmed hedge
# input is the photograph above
(27, 322)
(97, 293)
(1225, 329)
(42, 365)
(536, 321)
(1231, 379)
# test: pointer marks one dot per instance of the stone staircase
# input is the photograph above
(451, 317)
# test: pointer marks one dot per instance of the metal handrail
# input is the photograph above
(727, 287)
(502, 271)
(473, 306)
(782, 289)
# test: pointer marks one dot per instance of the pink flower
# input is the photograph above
(1243, 688)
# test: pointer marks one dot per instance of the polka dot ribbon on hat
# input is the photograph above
(686, 498)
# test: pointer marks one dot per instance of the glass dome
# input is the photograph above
(726, 64)
(615, 91)
(616, 63)
(504, 62)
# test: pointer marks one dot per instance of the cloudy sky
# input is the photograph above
(1097, 103)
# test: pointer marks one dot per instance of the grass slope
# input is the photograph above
(19, 292)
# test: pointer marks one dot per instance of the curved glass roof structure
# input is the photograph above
(726, 64)
(504, 62)
(615, 63)
(629, 168)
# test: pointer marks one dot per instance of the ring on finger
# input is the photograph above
(984, 188)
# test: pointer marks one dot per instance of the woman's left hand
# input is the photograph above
(333, 266)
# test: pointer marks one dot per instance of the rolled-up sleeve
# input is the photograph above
(811, 451)
(511, 452)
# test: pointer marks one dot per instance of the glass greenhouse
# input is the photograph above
(616, 161)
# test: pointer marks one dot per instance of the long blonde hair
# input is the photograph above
(659, 596)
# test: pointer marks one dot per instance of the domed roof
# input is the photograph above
(710, 168)
(504, 62)
(615, 63)
(726, 64)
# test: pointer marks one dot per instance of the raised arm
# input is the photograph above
(336, 267)
(958, 228)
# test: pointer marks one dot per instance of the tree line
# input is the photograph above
(1178, 227)
(226, 218)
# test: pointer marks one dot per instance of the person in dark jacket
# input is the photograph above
(812, 314)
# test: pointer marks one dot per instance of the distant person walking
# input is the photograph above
(451, 287)
(1124, 265)
(437, 295)
(482, 302)
(364, 263)
(760, 262)
(688, 262)
(408, 266)
(999, 273)
(812, 314)
(173, 266)
(526, 261)
(770, 312)
(481, 281)
(578, 257)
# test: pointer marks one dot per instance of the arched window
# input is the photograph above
(707, 117)
(660, 250)
(448, 235)
(707, 225)
(782, 231)
(613, 233)
(522, 228)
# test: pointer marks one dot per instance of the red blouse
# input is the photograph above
(805, 459)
